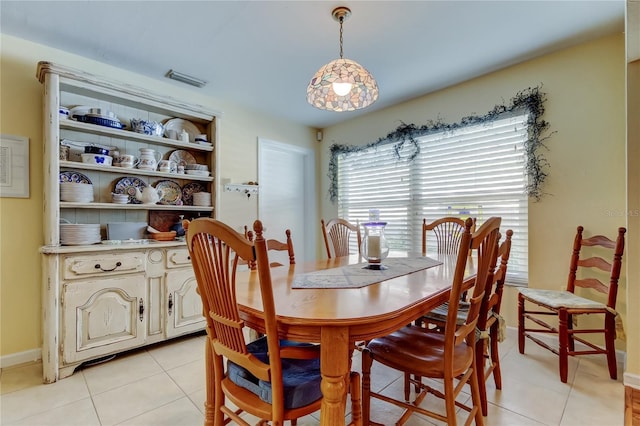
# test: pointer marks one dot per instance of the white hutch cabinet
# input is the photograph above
(101, 299)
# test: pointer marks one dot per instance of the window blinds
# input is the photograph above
(475, 171)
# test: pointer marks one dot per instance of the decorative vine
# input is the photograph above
(404, 138)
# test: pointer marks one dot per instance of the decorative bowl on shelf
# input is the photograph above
(91, 149)
(163, 236)
(147, 127)
(98, 159)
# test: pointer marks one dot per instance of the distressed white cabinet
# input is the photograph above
(102, 299)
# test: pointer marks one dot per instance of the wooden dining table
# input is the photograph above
(338, 317)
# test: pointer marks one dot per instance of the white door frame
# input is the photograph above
(309, 214)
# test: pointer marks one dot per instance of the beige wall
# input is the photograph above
(585, 87)
(632, 375)
(585, 107)
(21, 219)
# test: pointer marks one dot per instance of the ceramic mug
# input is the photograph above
(167, 166)
(127, 161)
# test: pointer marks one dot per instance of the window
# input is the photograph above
(474, 171)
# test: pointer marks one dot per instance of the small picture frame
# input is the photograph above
(14, 166)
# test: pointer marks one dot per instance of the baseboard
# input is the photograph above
(11, 360)
(551, 340)
(632, 380)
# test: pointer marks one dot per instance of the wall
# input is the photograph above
(585, 107)
(21, 219)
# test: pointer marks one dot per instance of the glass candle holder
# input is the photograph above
(374, 244)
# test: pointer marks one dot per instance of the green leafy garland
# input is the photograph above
(404, 137)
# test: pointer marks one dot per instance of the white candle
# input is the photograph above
(373, 246)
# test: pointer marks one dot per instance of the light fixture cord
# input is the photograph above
(341, 20)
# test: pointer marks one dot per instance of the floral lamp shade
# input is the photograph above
(325, 92)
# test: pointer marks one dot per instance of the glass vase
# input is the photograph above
(374, 246)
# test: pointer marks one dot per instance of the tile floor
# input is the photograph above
(164, 385)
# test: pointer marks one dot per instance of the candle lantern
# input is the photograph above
(374, 244)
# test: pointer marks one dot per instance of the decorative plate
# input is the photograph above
(188, 190)
(74, 177)
(171, 192)
(178, 124)
(182, 157)
(127, 185)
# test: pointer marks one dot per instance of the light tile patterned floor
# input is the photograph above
(164, 385)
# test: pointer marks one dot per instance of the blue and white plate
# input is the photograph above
(76, 177)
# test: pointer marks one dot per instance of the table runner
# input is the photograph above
(355, 276)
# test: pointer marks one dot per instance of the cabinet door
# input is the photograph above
(184, 305)
(102, 316)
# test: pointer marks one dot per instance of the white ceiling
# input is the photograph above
(262, 53)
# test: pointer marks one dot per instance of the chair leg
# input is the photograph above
(367, 360)
(571, 341)
(475, 397)
(356, 400)
(481, 346)
(563, 318)
(494, 355)
(609, 339)
(450, 399)
(520, 323)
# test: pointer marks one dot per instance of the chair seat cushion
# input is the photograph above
(301, 377)
(560, 299)
(418, 351)
(439, 314)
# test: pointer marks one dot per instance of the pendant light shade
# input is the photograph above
(342, 84)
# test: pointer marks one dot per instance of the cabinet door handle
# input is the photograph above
(170, 303)
(141, 310)
(97, 266)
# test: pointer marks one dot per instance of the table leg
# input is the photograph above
(334, 366)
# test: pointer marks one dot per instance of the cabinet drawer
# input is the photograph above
(178, 258)
(103, 264)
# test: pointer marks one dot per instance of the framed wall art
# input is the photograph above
(14, 166)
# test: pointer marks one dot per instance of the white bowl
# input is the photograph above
(99, 159)
(197, 172)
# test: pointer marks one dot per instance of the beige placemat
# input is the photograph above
(355, 276)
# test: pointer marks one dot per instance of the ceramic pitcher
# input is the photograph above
(148, 159)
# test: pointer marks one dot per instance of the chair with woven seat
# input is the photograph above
(566, 305)
(449, 356)
(271, 379)
(490, 327)
(338, 231)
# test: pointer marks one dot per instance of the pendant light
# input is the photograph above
(342, 84)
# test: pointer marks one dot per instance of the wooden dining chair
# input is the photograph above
(272, 379)
(490, 327)
(447, 231)
(566, 305)
(449, 356)
(277, 245)
(338, 231)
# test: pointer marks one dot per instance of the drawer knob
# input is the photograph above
(97, 266)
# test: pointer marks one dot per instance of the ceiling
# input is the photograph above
(262, 54)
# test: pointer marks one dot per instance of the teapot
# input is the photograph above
(149, 195)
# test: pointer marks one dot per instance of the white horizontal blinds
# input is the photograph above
(375, 179)
(476, 171)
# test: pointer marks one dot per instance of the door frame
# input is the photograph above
(309, 214)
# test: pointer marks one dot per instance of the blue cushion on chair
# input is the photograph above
(301, 377)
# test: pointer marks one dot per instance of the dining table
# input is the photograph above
(338, 318)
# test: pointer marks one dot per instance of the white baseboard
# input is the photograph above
(632, 380)
(20, 358)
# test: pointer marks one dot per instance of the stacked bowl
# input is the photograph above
(76, 192)
(202, 199)
(196, 169)
(72, 234)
